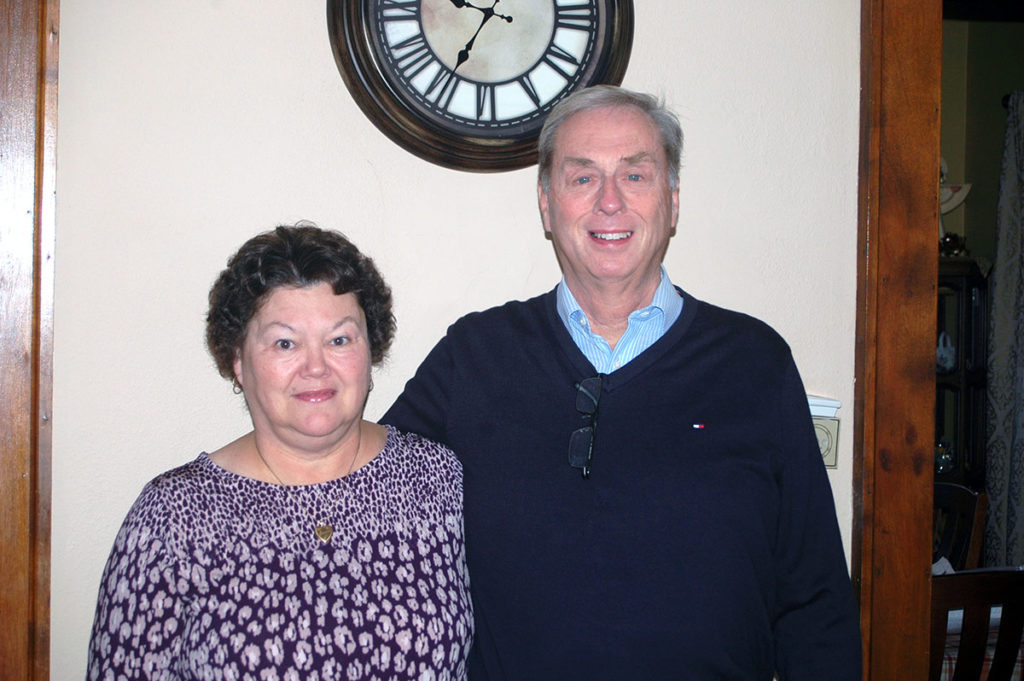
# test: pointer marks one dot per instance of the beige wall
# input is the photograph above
(188, 126)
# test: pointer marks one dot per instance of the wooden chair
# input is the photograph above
(976, 592)
(959, 525)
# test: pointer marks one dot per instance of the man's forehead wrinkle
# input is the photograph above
(577, 161)
(639, 157)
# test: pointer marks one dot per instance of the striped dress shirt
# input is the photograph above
(645, 326)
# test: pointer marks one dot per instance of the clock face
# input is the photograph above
(467, 83)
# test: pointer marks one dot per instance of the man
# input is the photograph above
(644, 495)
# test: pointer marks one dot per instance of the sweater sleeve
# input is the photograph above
(139, 625)
(817, 631)
(422, 407)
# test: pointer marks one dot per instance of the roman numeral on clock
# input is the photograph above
(576, 17)
(399, 10)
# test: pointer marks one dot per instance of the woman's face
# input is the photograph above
(305, 367)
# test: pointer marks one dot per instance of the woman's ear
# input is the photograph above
(237, 368)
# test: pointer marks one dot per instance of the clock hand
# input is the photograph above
(488, 14)
(464, 52)
(486, 10)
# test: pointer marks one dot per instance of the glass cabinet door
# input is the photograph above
(960, 365)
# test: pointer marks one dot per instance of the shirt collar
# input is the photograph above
(666, 298)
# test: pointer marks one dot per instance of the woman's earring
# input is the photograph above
(236, 388)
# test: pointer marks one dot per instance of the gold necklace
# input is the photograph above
(324, 531)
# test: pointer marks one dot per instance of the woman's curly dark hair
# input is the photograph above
(299, 256)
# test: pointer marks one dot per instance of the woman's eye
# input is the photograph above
(340, 340)
(284, 344)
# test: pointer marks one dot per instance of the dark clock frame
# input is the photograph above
(350, 35)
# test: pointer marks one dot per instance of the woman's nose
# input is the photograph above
(316, 364)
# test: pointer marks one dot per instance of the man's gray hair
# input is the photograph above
(606, 96)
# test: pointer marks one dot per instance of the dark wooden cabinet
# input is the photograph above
(960, 373)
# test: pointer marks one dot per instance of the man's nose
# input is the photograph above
(610, 198)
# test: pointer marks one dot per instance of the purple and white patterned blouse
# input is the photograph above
(218, 576)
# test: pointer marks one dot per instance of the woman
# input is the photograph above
(317, 546)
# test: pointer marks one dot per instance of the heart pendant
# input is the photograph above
(324, 532)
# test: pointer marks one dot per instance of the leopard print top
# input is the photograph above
(218, 576)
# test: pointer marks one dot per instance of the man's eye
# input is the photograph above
(582, 180)
(634, 177)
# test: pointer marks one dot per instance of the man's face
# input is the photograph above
(610, 210)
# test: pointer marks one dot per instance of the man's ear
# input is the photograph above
(675, 209)
(542, 203)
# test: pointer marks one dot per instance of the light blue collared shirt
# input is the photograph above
(645, 326)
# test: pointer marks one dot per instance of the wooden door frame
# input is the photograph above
(28, 107)
(893, 417)
(897, 278)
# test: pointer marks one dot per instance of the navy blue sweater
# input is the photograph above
(703, 546)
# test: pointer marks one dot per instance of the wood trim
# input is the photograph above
(896, 311)
(864, 348)
(46, 230)
(28, 91)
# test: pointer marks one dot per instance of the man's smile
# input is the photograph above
(611, 236)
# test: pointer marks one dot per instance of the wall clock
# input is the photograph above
(466, 84)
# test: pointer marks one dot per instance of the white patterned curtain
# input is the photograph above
(1004, 531)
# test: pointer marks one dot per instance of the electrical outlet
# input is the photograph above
(827, 431)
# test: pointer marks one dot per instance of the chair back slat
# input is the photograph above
(976, 592)
(1008, 644)
(970, 656)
